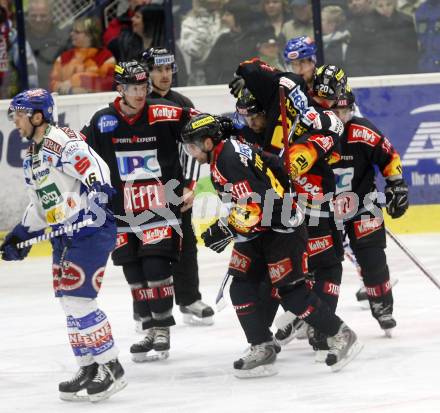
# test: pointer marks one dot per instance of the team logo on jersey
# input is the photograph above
(134, 165)
(155, 235)
(72, 277)
(360, 133)
(107, 123)
(318, 245)
(239, 262)
(52, 146)
(365, 227)
(140, 197)
(49, 196)
(278, 270)
(163, 113)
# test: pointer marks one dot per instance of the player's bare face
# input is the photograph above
(22, 123)
(257, 122)
(305, 68)
(162, 77)
(135, 95)
(199, 151)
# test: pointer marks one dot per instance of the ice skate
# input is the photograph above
(197, 313)
(344, 347)
(70, 390)
(108, 380)
(318, 341)
(258, 362)
(153, 347)
(290, 331)
(384, 315)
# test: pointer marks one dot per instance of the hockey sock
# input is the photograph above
(79, 348)
(327, 283)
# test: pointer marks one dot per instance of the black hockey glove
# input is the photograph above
(9, 249)
(227, 126)
(396, 195)
(235, 85)
(217, 237)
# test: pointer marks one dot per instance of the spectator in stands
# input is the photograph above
(121, 22)
(335, 36)
(276, 13)
(46, 40)
(268, 51)
(147, 30)
(232, 47)
(427, 18)
(302, 22)
(200, 29)
(400, 37)
(367, 49)
(86, 67)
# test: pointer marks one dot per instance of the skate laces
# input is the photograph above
(101, 374)
(162, 335)
(148, 339)
(254, 351)
(79, 374)
(338, 341)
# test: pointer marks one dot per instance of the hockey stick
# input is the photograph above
(220, 300)
(284, 127)
(63, 230)
(412, 257)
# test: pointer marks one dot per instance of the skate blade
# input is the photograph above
(286, 341)
(266, 370)
(192, 320)
(351, 355)
(74, 397)
(150, 357)
(320, 356)
(117, 386)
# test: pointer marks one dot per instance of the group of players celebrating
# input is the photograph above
(295, 167)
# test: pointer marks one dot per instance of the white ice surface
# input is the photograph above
(395, 375)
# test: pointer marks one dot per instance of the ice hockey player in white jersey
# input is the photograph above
(69, 183)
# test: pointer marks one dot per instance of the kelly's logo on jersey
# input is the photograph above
(163, 113)
(49, 196)
(134, 165)
(107, 123)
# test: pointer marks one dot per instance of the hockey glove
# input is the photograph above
(101, 194)
(396, 195)
(9, 249)
(218, 236)
(226, 125)
(235, 85)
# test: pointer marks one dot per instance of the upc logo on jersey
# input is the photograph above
(154, 235)
(107, 123)
(280, 269)
(319, 244)
(344, 178)
(138, 165)
(49, 196)
(359, 133)
(365, 227)
(239, 262)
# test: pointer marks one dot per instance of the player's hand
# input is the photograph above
(9, 249)
(235, 85)
(227, 126)
(396, 195)
(217, 237)
(188, 199)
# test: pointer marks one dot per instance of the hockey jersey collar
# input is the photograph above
(128, 119)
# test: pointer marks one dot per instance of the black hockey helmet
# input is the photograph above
(158, 57)
(201, 127)
(329, 82)
(347, 99)
(247, 104)
(131, 73)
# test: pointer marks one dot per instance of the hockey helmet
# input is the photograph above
(158, 57)
(200, 127)
(346, 99)
(32, 100)
(246, 104)
(329, 82)
(300, 48)
(131, 73)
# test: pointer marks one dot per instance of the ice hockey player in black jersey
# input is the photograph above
(269, 242)
(161, 66)
(138, 138)
(310, 158)
(364, 147)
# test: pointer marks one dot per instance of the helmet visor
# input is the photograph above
(140, 90)
(12, 111)
(193, 149)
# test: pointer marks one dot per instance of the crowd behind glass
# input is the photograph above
(365, 37)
